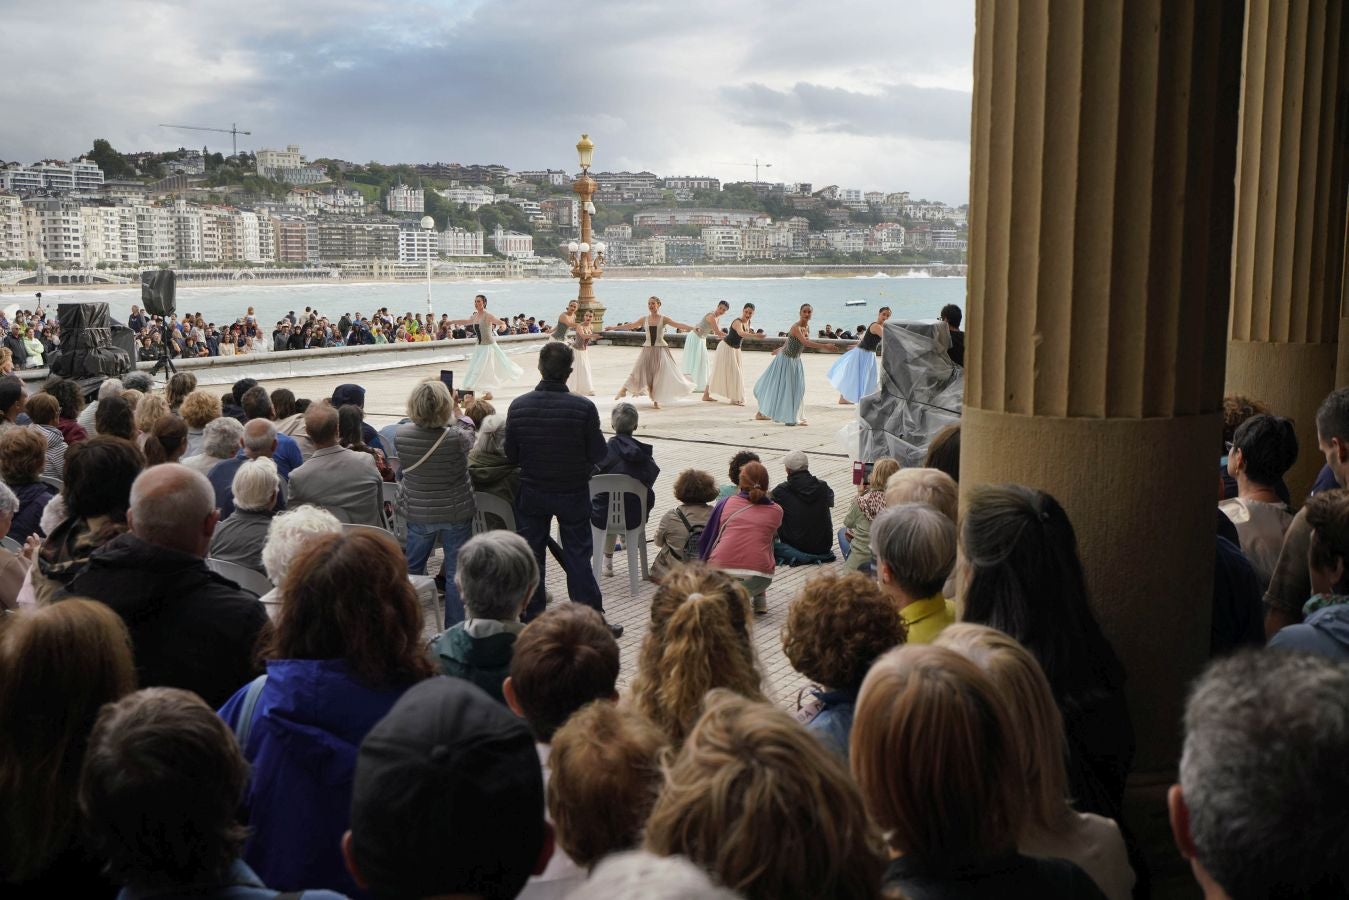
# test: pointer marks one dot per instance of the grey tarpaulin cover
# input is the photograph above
(921, 393)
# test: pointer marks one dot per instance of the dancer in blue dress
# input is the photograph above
(489, 366)
(855, 374)
(781, 389)
(697, 361)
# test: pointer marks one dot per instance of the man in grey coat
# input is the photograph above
(344, 482)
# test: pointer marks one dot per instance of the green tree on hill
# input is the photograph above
(113, 164)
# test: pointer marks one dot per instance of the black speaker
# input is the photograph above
(157, 292)
(87, 346)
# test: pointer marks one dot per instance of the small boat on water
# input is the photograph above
(854, 303)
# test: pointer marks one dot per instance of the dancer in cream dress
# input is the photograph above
(726, 378)
(697, 361)
(656, 373)
(490, 367)
(582, 335)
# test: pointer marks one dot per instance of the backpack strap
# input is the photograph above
(248, 712)
(427, 455)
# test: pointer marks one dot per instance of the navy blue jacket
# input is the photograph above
(554, 437)
(626, 456)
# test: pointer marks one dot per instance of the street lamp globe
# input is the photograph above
(428, 223)
(599, 247)
(573, 247)
(585, 148)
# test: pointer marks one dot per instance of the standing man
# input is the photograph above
(554, 436)
(950, 314)
(14, 341)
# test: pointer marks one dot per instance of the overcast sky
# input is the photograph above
(872, 95)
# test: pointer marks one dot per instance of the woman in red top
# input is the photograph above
(739, 535)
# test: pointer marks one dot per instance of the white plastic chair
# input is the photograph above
(243, 576)
(425, 585)
(393, 521)
(485, 505)
(10, 544)
(51, 481)
(617, 487)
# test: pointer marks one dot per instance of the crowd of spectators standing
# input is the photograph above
(169, 729)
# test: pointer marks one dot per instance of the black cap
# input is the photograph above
(448, 796)
(344, 394)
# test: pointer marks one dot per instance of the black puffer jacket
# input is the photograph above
(626, 456)
(807, 523)
(554, 436)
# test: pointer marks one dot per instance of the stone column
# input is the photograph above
(1288, 249)
(1103, 148)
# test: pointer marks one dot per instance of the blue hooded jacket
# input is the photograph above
(308, 724)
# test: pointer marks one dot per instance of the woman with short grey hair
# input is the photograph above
(287, 535)
(915, 549)
(220, 441)
(626, 456)
(496, 575)
(240, 538)
(489, 469)
(13, 566)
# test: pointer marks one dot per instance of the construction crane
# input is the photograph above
(756, 164)
(233, 131)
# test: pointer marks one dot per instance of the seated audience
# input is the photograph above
(836, 628)
(765, 807)
(115, 418)
(1023, 577)
(1238, 617)
(138, 381)
(166, 442)
(289, 414)
(58, 666)
(642, 873)
(1051, 828)
(240, 538)
(344, 482)
(71, 400)
(220, 441)
(806, 534)
(943, 453)
(447, 749)
(738, 538)
(346, 645)
(288, 534)
(488, 468)
(477, 409)
(953, 810)
(1262, 807)
(257, 405)
(930, 486)
(495, 576)
(133, 399)
(198, 409)
(354, 395)
(915, 548)
(349, 435)
(13, 401)
(698, 639)
(149, 410)
(191, 628)
(88, 417)
(44, 410)
(681, 529)
(179, 385)
(160, 790)
(232, 404)
(13, 565)
(854, 538)
(605, 776)
(625, 455)
(1325, 630)
(23, 458)
(434, 448)
(259, 440)
(1263, 449)
(737, 462)
(96, 494)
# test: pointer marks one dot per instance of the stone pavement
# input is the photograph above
(684, 435)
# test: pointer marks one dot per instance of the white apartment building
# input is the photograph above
(888, 237)
(417, 245)
(250, 237)
(627, 252)
(474, 197)
(187, 233)
(945, 238)
(513, 244)
(461, 242)
(109, 235)
(722, 243)
(618, 232)
(754, 243)
(54, 230)
(154, 234)
(847, 240)
(853, 198)
(403, 199)
(290, 158)
(659, 218)
(266, 239)
(11, 227)
(79, 176)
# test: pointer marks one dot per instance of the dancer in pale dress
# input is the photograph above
(855, 374)
(781, 389)
(583, 334)
(566, 321)
(697, 361)
(490, 367)
(726, 378)
(656, 373)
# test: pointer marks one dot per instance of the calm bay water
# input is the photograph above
(684, 299)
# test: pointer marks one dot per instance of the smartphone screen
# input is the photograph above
(447, 379)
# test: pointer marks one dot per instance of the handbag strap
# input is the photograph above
(428, 453)
(248, 710)
(722, 528)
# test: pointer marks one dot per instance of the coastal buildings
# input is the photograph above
(417, 245)
(403, 199)
(54, 230)
(77, 175)
(512, 244)
(461, 242)
(11, 227)
(288, 165)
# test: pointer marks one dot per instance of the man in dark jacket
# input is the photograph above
(807, 531)
(14, 341)
(190, 628)
(554, 436)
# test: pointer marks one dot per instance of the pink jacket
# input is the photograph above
(746, 539)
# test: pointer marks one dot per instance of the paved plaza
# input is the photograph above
(684, 435)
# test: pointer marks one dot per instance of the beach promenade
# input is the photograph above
(688, 434)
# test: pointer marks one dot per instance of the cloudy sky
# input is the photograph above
(873, 95)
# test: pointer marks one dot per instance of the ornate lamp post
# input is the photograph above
(587, 260)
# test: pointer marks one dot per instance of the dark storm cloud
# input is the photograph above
(935, 114)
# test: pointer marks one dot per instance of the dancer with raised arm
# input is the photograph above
(697, 361)
(583, 334)
(489, 367)
(566, 321)
(781, 389)
(854, 375)
(656, 373)
(726, 378)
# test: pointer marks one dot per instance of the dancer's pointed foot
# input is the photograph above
(487, 396)
(843, 401)
(803, 423)
(621, 394)
(737, 402)
(760, 417)
(707, 398)
(655, 405)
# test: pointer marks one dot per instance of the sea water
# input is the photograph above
(777, 300)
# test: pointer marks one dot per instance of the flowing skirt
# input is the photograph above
(657, 373)
(490, 368)
(697, 361)
(781, 389)
(579, 382)
(726, 380)
(854, 374)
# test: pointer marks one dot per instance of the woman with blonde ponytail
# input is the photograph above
(698, 640)
(739, 535)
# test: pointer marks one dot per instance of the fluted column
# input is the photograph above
(1104, 143)
(1288, 249)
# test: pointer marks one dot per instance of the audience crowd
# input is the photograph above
(216, 678)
